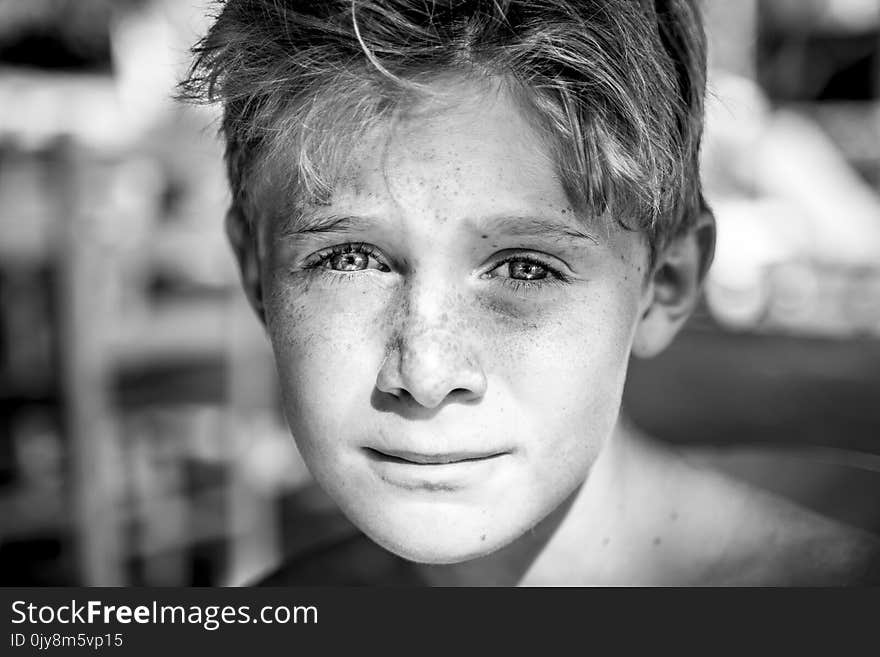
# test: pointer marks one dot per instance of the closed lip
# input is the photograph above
(423, 458)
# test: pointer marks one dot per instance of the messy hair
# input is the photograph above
(615, 86)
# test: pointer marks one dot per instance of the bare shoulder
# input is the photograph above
(724, 531)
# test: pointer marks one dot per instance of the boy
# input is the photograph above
(458, 221)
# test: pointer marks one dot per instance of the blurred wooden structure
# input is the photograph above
(157, 375)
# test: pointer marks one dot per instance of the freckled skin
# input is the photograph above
(439, 353)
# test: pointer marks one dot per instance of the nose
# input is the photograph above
(430, 362)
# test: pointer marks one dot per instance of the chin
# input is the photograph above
(438, 538)
(430, 550)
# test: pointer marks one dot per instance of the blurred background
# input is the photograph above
(141, 441)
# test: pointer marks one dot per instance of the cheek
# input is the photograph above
(328, 349)
(574, 349)
(306, 320)
(564, 375)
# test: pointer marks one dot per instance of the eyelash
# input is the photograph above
(316, 262)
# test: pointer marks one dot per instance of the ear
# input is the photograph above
(243, 239)
(673, 289)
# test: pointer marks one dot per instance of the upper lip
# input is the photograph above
(422, 458)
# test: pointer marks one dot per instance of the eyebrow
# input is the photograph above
(532, 226)
(513, 226)
(307, 224)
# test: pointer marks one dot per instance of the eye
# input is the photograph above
(519, 270)
(348, 258)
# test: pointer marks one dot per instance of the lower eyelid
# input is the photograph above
(532, 283)
(335, 276)
(356, 279)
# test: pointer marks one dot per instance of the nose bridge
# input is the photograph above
(431, 353)
(428, 305)
(427, 340)
(426, 335)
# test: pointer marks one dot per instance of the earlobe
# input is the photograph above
(243, 241)
(674, 288)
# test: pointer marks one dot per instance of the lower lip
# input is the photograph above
(434, 477)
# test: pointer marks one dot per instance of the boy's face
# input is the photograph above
(451, 339)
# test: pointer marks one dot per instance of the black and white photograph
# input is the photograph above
(439, 293)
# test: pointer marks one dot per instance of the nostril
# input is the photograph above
(464, 394)
(398, 393)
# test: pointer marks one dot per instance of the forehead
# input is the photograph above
(466, 150)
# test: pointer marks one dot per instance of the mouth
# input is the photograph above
(435, 473)
(421, 458)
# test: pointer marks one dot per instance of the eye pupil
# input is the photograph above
(524, 270)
